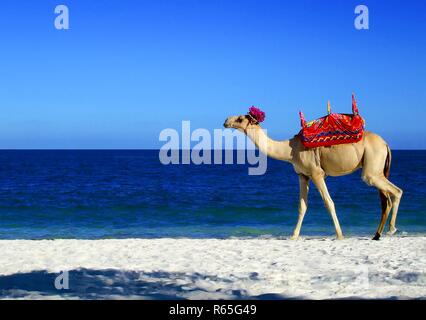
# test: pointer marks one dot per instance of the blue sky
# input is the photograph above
(128, 69)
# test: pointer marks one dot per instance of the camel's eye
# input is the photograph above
(239, 120)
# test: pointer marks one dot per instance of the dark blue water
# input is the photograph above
(120, 194)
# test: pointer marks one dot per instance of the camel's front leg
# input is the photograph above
(303, 204)
(329, 204)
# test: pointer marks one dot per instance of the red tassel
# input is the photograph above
(302, 119)
(354, 106)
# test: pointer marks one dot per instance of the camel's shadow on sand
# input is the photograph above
(115, 284)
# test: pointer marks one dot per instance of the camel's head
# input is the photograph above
(241, 123)
(247, 121)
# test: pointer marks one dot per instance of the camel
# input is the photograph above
(372, 154)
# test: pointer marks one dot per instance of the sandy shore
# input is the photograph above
(215, 269)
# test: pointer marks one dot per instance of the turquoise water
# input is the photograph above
(122, 194)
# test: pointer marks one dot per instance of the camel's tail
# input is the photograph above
(386, 170)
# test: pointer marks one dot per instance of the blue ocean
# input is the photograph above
(129, 194)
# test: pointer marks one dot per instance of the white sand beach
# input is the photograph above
(316, 268)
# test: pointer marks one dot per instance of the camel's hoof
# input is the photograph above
(294, 237)
(391, 232)
(377, 236)
(340, 238)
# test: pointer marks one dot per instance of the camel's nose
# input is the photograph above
(226, 124)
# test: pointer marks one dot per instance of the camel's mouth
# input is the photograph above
(226, 124)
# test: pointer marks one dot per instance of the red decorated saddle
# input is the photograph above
(334, 128)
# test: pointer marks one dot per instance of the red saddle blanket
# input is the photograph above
(335, 128)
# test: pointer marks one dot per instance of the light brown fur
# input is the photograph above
(372, 154)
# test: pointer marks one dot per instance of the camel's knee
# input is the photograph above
(398, 193)
(328, 202)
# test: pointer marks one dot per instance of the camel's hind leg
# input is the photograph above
(393, 196)
(376, 168)
(386, 203)
(395, 206)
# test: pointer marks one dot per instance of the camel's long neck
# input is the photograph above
(280, 150)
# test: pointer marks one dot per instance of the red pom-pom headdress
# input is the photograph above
(256, 115)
